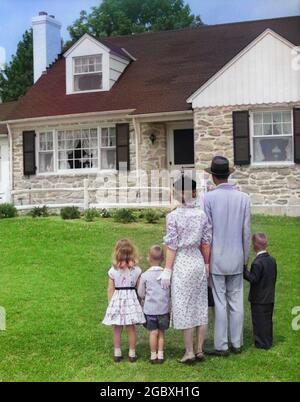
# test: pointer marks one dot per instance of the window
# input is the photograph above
(272, 137)
(46, 153)
(87, 73)
(108, 148)
(77, 149)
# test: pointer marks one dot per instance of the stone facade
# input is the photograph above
(273, 190)
(51, 182)
(153, 156)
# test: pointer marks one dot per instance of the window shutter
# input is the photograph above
(122, 131)
(29, 153)
(297, 135)
(241, 137)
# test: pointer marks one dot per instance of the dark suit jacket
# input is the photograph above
(262, 278)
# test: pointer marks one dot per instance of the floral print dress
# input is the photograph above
(124, 307)
(187, 229)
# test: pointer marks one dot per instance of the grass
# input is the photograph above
(53, 277)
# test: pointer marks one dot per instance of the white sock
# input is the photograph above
(118, 352)
(153, 355)
(131, 353)
(160, 355)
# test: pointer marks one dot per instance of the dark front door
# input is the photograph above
(183, 148)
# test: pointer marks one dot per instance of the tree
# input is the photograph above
(123, 17)
(17, 75)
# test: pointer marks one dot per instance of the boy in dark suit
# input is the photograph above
(262, 278)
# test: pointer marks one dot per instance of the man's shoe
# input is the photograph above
(236, 351)
(219, 353)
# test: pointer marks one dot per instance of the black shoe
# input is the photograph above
(132, 359)
(160, 361)
(219, 353)
(236, 351)
(200, 357)
(118, 359)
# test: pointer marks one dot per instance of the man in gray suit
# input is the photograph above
(228, 211)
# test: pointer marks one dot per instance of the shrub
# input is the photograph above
(124, 216)
(152, 216)
(91, 214)
(104, 213)
(39, 212)
(8, 211)
(70, 213)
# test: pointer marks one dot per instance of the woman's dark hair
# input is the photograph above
(185, 188)
(185, 183)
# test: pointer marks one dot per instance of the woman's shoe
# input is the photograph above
(118, 359)
(200, 357)
(132, 359)
(160, 361)
(188, 359)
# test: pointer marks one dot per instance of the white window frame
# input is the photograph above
(72, 172)
(87, 73)
(252, 136)
(37, 152)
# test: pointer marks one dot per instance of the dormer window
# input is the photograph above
(88, 73)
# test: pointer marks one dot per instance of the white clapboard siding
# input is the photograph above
(116, 68)
(262, 73)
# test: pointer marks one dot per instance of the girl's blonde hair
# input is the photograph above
(125, 251)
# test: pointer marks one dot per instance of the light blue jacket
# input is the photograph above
(229, 213)
(156, 299)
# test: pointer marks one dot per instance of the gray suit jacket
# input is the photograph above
(229, 213)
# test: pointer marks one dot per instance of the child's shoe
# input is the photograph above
(132, 356)
(160, 357)
(117, 355)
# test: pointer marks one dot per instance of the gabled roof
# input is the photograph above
(5, 109)
(169, 67)
(103, 43)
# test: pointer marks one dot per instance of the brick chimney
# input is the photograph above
(46, 42)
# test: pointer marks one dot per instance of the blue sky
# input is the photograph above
(15, 15)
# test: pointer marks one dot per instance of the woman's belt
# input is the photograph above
(126, 288)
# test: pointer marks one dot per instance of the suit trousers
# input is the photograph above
(262, 321)
(228, 292)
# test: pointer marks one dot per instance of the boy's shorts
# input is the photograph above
(160, 322)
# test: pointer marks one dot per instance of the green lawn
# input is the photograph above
(53, 286)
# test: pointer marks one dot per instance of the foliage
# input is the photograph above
(124, 215)
(104, 213)
(91, 214)
(152, 216)
(124, 17)
(70, 213)
(8, 211)
(39, 212)
(17, 75)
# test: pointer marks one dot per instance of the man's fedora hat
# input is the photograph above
(219, 167)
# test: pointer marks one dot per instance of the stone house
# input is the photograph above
(157, 101)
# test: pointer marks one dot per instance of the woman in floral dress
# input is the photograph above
(188, 241)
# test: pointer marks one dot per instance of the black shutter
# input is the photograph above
(297, 135)
(241, 137)
(122, 131)
(29, 153)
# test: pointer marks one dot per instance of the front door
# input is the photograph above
(181, 146)
(4, 170)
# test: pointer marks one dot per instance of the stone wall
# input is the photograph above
(55, 181)
(153, 156)
(273, 190)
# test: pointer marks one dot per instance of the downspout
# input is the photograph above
(10, 146)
